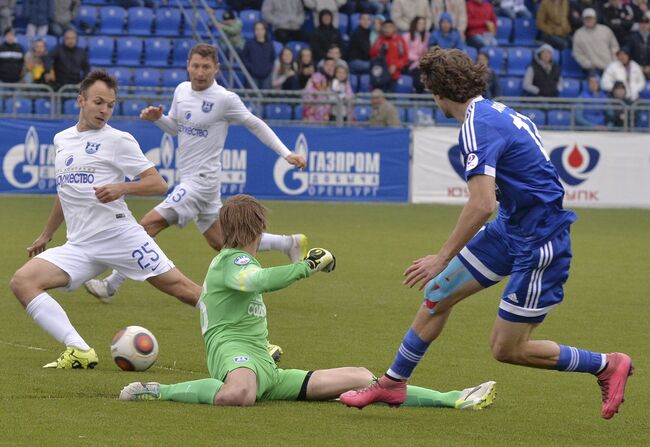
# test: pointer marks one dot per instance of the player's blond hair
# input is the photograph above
(242, 219)
(452, 75)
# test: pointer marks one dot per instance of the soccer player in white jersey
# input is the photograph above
(199, 115)
(91, 162)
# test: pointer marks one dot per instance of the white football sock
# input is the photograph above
(50, 316)
(115, 280)
(275, 242)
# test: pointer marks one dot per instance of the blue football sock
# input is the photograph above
(580, 360)
(408, 356)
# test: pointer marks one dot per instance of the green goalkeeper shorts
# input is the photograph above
(273, 383)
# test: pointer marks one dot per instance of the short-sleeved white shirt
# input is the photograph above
(89, 159)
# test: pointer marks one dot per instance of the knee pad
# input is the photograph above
(445, 284)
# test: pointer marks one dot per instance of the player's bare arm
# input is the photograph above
(150, 184)
(479, 208)
(54, 221)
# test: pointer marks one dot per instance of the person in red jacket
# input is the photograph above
(481, 24)
(391, 46)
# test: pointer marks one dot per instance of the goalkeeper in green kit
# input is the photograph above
(233, 323)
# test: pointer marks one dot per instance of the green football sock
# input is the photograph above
(194, 392)
(424, 397)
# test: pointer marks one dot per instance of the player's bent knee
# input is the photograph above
(235, 397)
(445, 286)
(19, 283)
(505, 353)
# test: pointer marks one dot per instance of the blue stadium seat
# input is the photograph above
(23, 41)
(354, 82)
(140, 21)
(344, 23)
(512, 86)
(122, 74)
(570, 88)
(518, 61)
(87, 17)
(569, 65)
(132, 107)
(168, 22)
(362, 113)
(504, 30)
(128, 51)
(645, 93)
(50, 41)
(70, 107)
(278, 47)
(559, 118)
(525, 32)
(111, 19)
(471, 52)
(173, 76)
(497, 58)
(100, 50)
(18, 105)
(404, 84)
(642, 120)
(419, 115)
(219, 13)
(442, 120)
(277, 112)
(296, 46)
(298, 112)
(182, 48)
(156, 52)
(354, 22)
(203, 23)
(364, 83)
(146, 77)
(248, 18)
(82, 42)
(536, 116)
(42, 106)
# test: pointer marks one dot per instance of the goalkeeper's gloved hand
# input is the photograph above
(320, 260)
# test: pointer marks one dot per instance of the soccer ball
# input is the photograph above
(134, 348)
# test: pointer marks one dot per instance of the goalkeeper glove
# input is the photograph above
(320, 260)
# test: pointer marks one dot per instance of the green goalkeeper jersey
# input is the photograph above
(231, 304)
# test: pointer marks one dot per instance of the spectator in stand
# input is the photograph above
(620, 18)
(67, 64)
(553, 23)
(402, 13)
(391, 47)
(624, 70)
(639, 44)
(375, 31)
(446, 36)
(7, 10)
(12, 57)
(513, 9)
(286, 17)
(324, 36)
(342, 87)
(334, 53)
(617, 115)
(35, 60)
(319, 6)
(417, 42)
(494, 85)
(369, 6)
(284, 75)
(231, 26)
(38, 14)
(316, 98)
(542, 77)
(457, 9)
(594, 115)
(384, 114)
(576, 9)
(640, 8)
(359, 47)
(305, 66)
(481, 24)
(594, 45)
(259, 56)
(65, 11)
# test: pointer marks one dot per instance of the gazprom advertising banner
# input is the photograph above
(597, 169)
(342, 164)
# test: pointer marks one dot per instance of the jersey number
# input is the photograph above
(177, 195)
(518, 121)
(143, 252)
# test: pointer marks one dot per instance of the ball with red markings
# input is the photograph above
(134, 348)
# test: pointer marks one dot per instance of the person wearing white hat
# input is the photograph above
(594, 45)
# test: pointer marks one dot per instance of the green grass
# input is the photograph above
(356, 316)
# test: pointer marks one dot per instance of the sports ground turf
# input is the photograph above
(355, 316)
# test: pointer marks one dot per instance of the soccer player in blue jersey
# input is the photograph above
(528, 241)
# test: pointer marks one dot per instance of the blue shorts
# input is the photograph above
(537, 276)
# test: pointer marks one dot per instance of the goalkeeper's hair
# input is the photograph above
(242, 219)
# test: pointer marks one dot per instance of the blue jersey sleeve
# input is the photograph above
(481, 145)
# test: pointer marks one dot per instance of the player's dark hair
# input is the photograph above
(242, 219)
(452, 75)
(94, 76)
(204, 50)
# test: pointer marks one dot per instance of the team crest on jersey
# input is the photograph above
(242, 260)
(91, 148)
(207, 106)
(472, 162)
(188, 115)
(69, 160)
(240, 359)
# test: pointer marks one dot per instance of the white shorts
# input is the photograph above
(189, 202)
(128, 249)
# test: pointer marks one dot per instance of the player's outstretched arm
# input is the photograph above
(151, 183)
(54, 221)
(155, 115)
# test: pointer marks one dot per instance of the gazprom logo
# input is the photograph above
(31, 164)
(329, 173)
(574, 163)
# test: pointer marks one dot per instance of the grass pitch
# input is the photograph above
(355, 316)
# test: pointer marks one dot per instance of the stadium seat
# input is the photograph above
(173, 76)
(168, 22)
(512, 86)
(569, 65)
(364, 83)
(100, 50)
(525, 32)
(128, 51)
(146, 77)
(536, 116)
(87, 18)
(82, 42)
(277, 46)
(248, 18)
(42, 106)
(202, 22)
(559, 118)
(182, 48)
(219, 13)
(419, 115)
(497, 58)
(504, 30)
(642, 120)
(277, 112)
(344, 23)
(296, 46)
(362, 113)
(404, 84)
(570, 88)
(442, 120)
(298, 112)
(23, 41)
(140, 21)
(132, 108)
(111, 19)
(122, 74)
(354, 82)
(518, 61)
(645, 93)
(50, 41)
(70, 107)
(471, 52)
(354, 22)
(18, 105)
(156, 52)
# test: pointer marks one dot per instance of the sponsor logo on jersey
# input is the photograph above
(69, 160)
(30, 165)
(91, 148)
(329, 173)
(76, 175)
(240, 359)
(188, 115)
(472, 162)
(207, 106)
(257, 310)
(574, 163)
(193, 131)
(242, 260)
